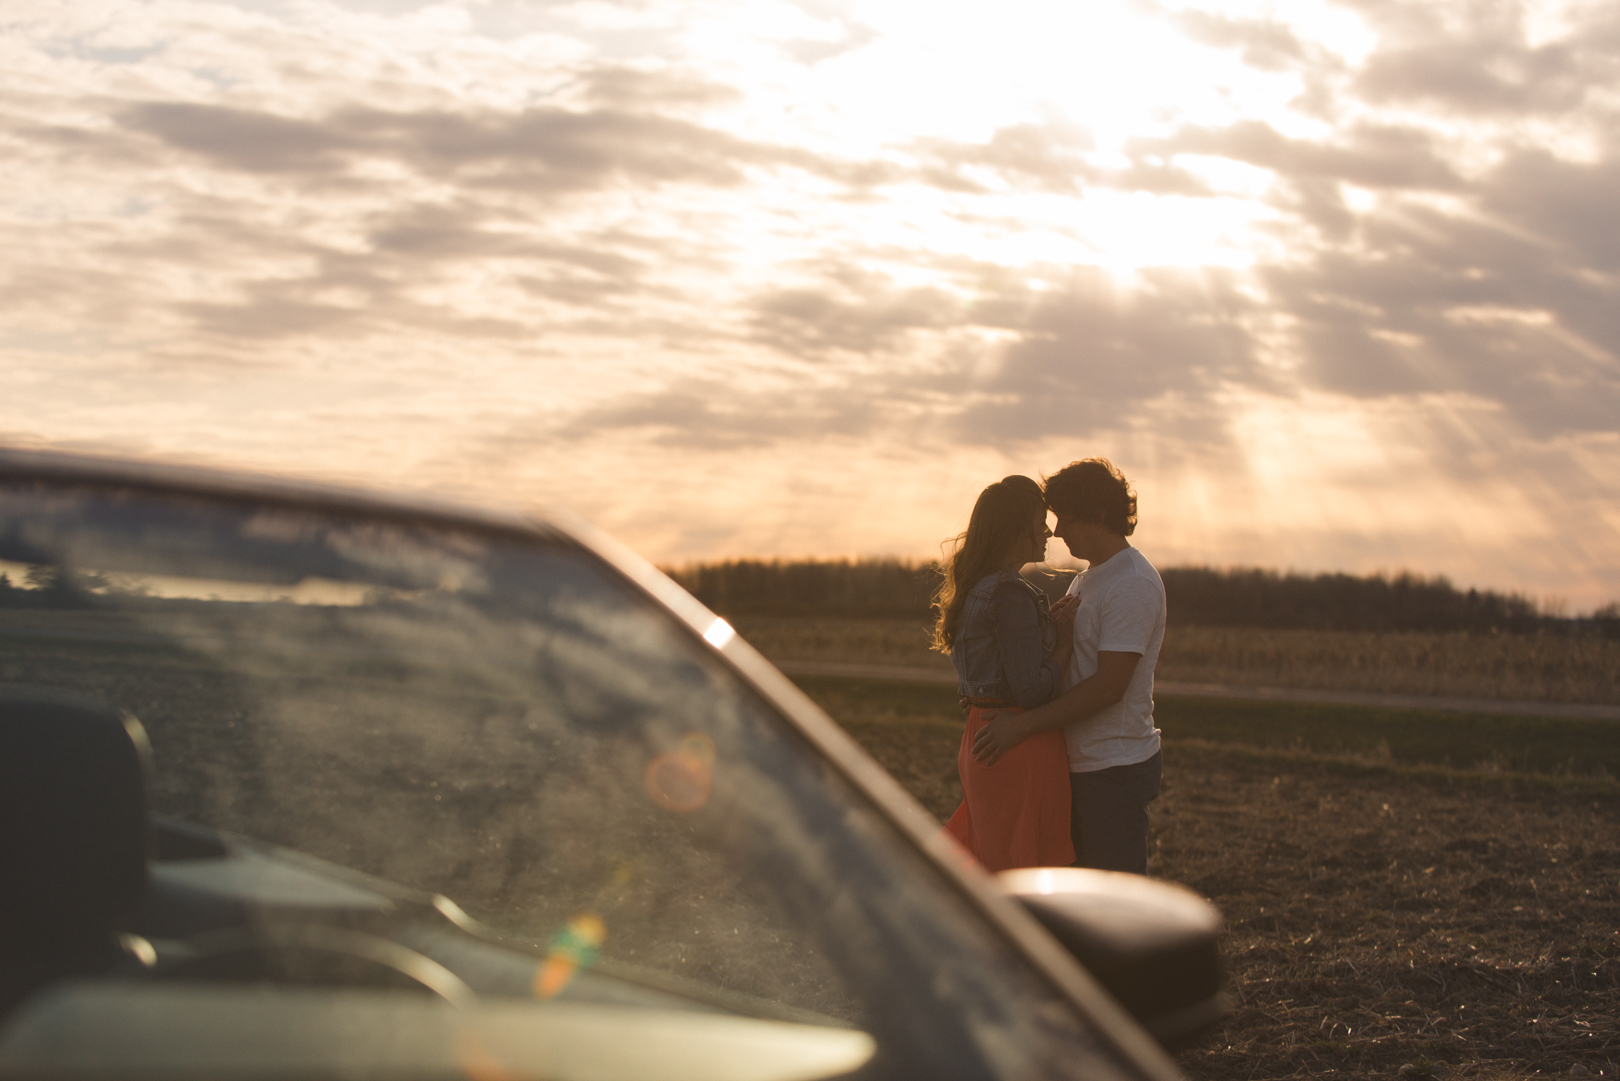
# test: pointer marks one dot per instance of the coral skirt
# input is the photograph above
(1016, 812)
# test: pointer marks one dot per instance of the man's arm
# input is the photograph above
(1004, 731)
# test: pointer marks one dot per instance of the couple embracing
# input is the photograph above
(1060, 758)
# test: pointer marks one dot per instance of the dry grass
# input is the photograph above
(1379, 915)
(1479, 742)
(1541, 667)
(843, 641)
(1550, 668)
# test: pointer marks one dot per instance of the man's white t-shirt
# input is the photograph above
(1121, 611)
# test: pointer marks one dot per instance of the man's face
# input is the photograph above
(1078, 534)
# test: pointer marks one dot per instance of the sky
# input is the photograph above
(1336, 285)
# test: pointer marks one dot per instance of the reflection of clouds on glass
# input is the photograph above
(386, 555)
(313, 591)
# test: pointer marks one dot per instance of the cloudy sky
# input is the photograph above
(1336, 284)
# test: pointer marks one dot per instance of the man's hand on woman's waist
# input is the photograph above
(1003, 731)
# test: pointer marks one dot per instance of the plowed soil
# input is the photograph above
(1384, 920)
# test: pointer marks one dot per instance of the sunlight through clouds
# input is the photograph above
(1335, 283)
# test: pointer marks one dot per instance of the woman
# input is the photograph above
(1008, 653)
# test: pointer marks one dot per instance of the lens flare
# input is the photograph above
(680, 780)
(571, 949)
(699, 746)
(477, 1063)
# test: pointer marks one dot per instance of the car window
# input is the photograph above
(506, 721)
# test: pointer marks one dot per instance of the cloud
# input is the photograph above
(358, 252)
(1089, 355)
(1062, 159)
(394, 268)
(1516, 307)
(1490, 70)
(1422, 302)
(1569, 204)
(717, 415)
(1264, 44)
(852, 310)
(1369, 155)
(243, 139)
(1480, 59)
(1048, 156)
(623, 88)
(591, 270)
(811, 52)
(991, 362)
(542, 149)
(1477, 77)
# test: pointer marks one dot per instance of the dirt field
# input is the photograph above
(1381, 915)
(1551, 668)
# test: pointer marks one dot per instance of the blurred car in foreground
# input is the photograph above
(306, 783)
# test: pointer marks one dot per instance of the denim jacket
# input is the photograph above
(1003, 640)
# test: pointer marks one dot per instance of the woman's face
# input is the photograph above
(1034, 542)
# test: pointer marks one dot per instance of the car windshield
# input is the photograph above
(504, 720)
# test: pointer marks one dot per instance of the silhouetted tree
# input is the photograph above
(866, 588)
(1197, 596)
(1251, 597)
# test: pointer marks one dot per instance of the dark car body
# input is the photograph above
(377, 787)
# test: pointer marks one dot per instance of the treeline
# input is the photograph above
(1196, 596)
(1407, 602)
(863, 589)
(902, 589)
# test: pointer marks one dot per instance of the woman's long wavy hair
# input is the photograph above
(1001, 518)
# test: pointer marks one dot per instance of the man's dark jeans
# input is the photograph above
(1108, 815)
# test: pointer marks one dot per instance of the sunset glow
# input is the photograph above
(1334, 283)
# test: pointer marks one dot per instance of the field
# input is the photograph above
(1540, 667)
(1408, 894)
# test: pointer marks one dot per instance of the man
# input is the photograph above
(1107, 712)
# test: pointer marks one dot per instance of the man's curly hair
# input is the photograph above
(1093, 490)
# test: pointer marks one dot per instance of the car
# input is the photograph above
(304, 782)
